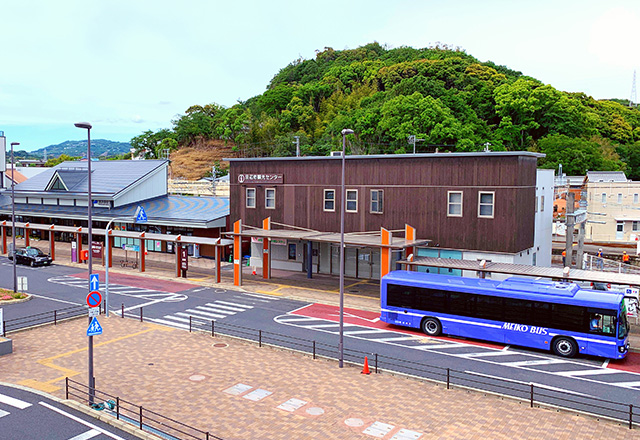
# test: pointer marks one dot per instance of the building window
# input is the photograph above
(352, 200)
(619, 226)
(635, 198)
(634, 226)
(455, 204)
(541, 203)
(536, 206)
(377, 201)
(270, 198)
(251, 198)
(485, 204)
(619, 199)
(329, 200)
(604, 199)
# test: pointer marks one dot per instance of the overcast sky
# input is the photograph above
(130, 66)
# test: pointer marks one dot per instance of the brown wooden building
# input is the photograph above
(483, 203)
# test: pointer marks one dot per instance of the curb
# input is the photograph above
(16, 301)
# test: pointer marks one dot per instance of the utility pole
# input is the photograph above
(413, 140)
(570, 223)
(634, 98)
(297, 142)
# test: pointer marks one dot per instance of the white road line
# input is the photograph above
(86, 435)
(628, 384)
(234, 304)
(327, 325)
(171, 323)
(302, 318)
(437, 346)
(488, 353)
(201, 313)
(12, 401)
(398, 338)
(502, 378)
(588, 372)
(233, 309)
(3, 413)
(363, 332)
(79, 420)
(193, 321)
(259, 297)
(216, 310)
(56, 299)
(530, 363)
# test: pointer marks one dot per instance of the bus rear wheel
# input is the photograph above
(431, 326)
(565, 347)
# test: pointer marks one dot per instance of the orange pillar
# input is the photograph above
(385, 252)
(52, 244)
(79, 241)
(237, 253)
(266, 250)
(218, 256)
(409, 235)
(143, 248)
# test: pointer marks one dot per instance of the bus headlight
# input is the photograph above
(623, 348)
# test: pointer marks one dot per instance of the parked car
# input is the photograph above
(31, 256)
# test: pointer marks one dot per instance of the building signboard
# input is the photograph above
(261, 178)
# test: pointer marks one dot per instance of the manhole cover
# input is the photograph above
(315, 411)
(354, 423)
(221, 345)
(197, 377)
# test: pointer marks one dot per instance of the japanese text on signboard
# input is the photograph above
(261, 178)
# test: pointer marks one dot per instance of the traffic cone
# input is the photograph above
(254, 271)
(365, 369)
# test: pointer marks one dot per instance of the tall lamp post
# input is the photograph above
(13, 219)
(87, 126)
(345, 132)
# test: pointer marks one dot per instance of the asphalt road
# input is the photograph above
(592, 384)
(27, 415)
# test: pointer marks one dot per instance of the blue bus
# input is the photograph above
(542, 314)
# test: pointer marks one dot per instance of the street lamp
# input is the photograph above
(87, 126)
(13, 219)
(345, 132)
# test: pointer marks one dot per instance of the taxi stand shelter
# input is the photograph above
(383, 239)
(219, 242)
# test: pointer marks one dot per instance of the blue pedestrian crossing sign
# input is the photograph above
(141, 215)
(95, 328)
(94, 282)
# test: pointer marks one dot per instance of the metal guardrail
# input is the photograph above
(137, 415)
(53, 316)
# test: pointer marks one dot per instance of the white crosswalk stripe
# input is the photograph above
(234, 309)
(12, 401)
(3, 413)
(244, 306)
(168, 322)
(183, 319)
(216, 310)
(86, 435)
(201, 313)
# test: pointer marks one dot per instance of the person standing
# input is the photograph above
(625, 260)
(599, 261)
(564, 258)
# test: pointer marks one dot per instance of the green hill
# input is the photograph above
(445, 97)
(99, 147)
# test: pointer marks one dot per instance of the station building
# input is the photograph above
(493, 206)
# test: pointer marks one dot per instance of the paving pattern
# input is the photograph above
(187, 376)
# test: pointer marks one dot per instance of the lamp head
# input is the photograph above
(83, 125)
(347, 131)
(15, 143)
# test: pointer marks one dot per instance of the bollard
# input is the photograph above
(630, 416)
(376, 369)
(531, 395)
(117, 408)
(66, 386)
(448, 378)
(190, 323)
(259, 338)
(140, 416)
(55, 317)
(122, 314)
(140, 314)
(213, 329)
(314, 349)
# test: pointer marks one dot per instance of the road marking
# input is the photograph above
(304, 318)
(173, 324)
(12, 401)
(589, 372)
(216, 310)
(438, 346)
(235, 304)
(79, 420)
(3, 413)
(362, 332)
(86, 435)
(200, 313)
(259, 297)
(488, 353)
(56, 299)
(535, 362)
(233, 309)
(504, 379)
(327, 325)
(628, 384)
(185, 319)
(397, 338)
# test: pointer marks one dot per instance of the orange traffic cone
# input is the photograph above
(365, 369)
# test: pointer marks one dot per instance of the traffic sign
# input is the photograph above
(141, 215)
(94, 311)
(94, 282)
(94, 327)
(94, 299)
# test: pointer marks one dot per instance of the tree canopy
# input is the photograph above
(442, 95)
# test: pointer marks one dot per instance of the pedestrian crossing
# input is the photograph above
(588, 369)
(202, 315)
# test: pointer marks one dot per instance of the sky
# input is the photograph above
(135, 65)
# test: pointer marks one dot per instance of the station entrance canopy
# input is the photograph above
(382, 239)
(524, 270)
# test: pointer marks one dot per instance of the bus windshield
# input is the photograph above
(623, 323)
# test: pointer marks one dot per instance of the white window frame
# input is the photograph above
(536, 204)
(267, 198)
(619, 198)
(449, 204)
(635, 198)
(635, 226)
(603, 199)
(380, 201)
(325, 200)
(346, 201)
(541, 203)
(247, 198)
(493, 204)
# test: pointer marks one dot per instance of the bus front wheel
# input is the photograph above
(565, 347)
(431, 326)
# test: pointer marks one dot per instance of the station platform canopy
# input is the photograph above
(524, 270)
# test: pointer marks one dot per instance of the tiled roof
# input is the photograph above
(108, 177)
(606, 176)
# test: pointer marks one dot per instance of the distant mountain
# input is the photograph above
(99, 147)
